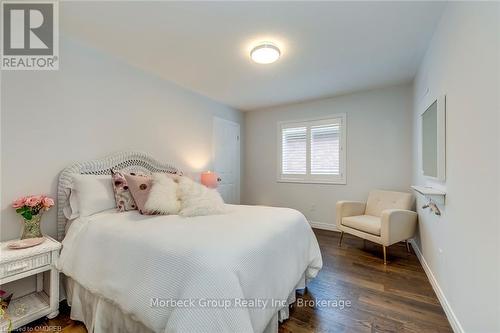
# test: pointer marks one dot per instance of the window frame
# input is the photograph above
(308, 178)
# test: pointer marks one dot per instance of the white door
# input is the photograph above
(226, 158)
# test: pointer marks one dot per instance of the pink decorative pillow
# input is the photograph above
(139, 186)
(123, 197)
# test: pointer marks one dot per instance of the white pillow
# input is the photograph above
(198, 200)
(90, 194)
(162, 198)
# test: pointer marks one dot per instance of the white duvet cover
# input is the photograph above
(178, 274)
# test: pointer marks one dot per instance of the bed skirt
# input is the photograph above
(102, 316)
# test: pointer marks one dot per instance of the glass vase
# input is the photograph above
(32, 228)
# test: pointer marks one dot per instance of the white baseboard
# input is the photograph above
(323, 226)
(455, 324)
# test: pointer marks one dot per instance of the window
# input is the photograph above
(312, 151)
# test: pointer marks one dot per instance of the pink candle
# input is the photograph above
(209, 179)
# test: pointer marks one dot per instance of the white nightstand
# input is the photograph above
(18, 264)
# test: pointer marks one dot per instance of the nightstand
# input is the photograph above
(18, 264)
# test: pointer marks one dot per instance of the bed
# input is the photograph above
(234, 272)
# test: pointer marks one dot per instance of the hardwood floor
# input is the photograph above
(393, 298)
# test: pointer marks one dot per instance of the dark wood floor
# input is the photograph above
(393, 298)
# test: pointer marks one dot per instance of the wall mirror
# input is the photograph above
(433, 139)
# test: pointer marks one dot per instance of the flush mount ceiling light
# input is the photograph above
(265, 53)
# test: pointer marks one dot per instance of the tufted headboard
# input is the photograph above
(123, 161)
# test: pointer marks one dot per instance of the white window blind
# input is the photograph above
(294, 146)
(325, 149)
(312, 151)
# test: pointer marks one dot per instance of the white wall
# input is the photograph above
(93, 106)
(378, 151)
(463, 62)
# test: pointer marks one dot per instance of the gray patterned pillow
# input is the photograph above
(123, 197)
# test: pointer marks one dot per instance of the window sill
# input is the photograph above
(313, 181)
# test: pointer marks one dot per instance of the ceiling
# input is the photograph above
(328, 48)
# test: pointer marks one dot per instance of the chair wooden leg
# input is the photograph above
(341, 236)
(407, 246)
(385, 255)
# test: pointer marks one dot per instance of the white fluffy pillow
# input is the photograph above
(198, 200)
(162, 198)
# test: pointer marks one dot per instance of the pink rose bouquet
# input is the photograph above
(32, 205)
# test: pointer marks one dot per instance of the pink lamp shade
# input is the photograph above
(209, 179)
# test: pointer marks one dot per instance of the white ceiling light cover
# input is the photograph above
(265, 53)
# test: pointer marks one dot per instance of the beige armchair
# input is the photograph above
(385, 219)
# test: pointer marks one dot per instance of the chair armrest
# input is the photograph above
(348, 208)
(397, 225)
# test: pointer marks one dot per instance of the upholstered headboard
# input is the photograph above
(124, 161)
